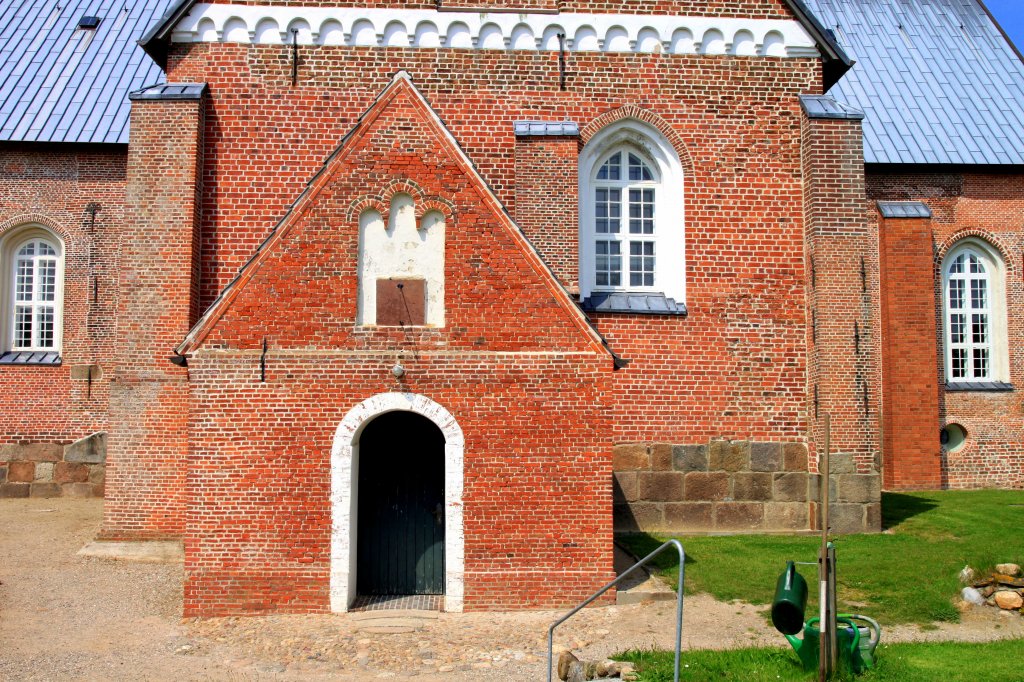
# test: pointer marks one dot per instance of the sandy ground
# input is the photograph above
(67, 617)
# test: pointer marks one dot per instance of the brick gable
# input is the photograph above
(398, 145)
(515, 365)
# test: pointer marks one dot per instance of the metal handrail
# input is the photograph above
(679, 602)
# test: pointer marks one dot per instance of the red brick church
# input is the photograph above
(433, 299)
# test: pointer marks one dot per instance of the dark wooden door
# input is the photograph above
(400, 547)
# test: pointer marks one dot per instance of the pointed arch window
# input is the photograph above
(974, 315)
(625, 191)
(631, 219)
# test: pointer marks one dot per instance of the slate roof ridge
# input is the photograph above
(401, 80)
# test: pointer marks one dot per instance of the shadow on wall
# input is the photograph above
(639, 545)
(897, 508)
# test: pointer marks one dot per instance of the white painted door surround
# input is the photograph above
(345, 494)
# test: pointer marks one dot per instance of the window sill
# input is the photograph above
(981, 386)
(634, 303)
(27, 357)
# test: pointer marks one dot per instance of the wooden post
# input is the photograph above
(825, 628)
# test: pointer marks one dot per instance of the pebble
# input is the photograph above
(1008, 599)
(271, 668)
(972, 596)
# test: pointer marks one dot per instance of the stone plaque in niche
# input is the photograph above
(401, 302)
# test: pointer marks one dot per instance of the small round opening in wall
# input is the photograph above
(952, 437)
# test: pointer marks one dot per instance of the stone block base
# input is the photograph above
(77, 469)
(735, 486)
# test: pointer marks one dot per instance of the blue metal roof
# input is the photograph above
(937, 80)
(61, 83)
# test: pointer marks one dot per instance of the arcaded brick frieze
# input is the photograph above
(988, 207)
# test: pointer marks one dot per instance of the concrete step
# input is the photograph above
(394, 622)
(642, 585)
(148, 551)
(394, 613)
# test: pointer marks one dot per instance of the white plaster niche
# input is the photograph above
(331, 33)
(402, 249)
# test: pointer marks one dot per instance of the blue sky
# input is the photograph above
(1010, 15)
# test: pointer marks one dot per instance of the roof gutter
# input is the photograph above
(156, 40)
(835, 60)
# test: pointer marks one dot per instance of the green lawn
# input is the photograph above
(948, 661)
(907, 574)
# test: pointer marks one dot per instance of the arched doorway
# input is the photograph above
(400, 536)
(345, 493)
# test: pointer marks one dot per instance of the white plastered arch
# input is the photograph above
(345, 500)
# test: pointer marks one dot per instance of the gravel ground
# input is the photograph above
(67, 617)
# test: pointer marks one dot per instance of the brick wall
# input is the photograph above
(844, 378)
(989, 206)
(912, 452)
(46, 408)
(525, 381)
(156, 308)
(545, 200)
(734, 368)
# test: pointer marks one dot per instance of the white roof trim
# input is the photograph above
(377, 27)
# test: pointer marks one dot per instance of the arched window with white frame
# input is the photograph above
(974, 314)
(33, 273)
(632, 234)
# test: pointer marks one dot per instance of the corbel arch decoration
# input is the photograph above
(401, 258)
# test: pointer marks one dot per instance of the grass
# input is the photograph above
(908, 574)
(946, 661)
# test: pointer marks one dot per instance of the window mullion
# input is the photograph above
(37, 293)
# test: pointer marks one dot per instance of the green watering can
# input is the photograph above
(856, 643)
